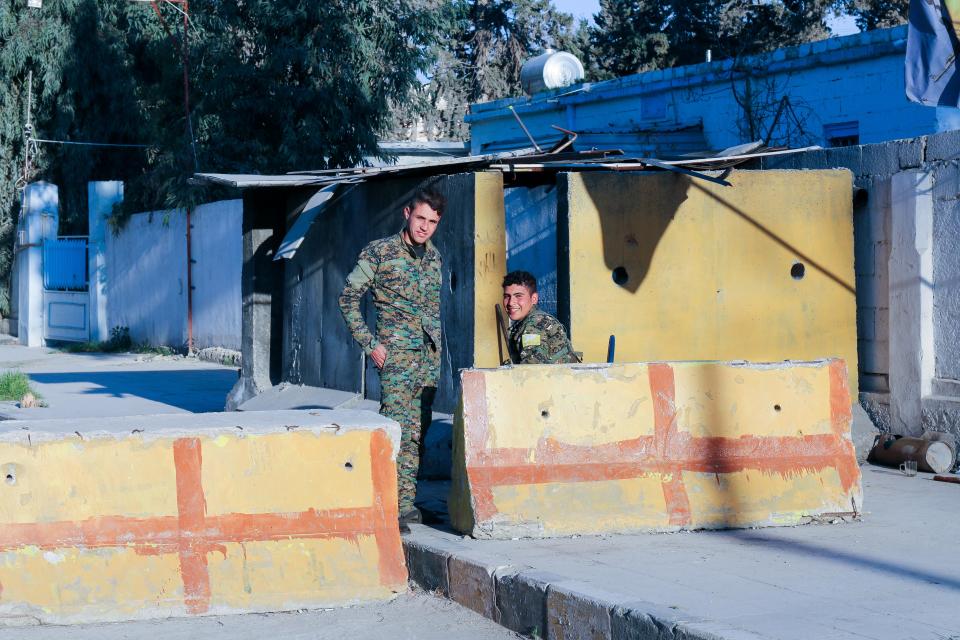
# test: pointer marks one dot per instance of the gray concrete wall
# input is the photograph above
(317, 348)
(146, 276)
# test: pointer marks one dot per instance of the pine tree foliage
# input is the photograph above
(638, 35)
(877, 14)
(629, 37)
(747, 27)
(478, 57)
(273, 85)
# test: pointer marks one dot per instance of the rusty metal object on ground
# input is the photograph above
(931, 456)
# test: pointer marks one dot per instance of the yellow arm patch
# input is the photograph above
(530, 340)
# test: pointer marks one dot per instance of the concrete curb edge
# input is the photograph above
(544, 605)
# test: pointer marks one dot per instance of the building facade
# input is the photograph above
(836, 92)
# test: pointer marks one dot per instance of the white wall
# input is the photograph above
(146, 266)
(147, 278)
(218, 251)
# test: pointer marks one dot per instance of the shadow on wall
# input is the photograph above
(628, 254)
(806, 259)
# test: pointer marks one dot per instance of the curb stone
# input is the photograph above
(549, 606)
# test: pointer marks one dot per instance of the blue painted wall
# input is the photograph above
(532, 238)
(854, 81)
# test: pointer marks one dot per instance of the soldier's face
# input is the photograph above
(518, 301)
(421, 222)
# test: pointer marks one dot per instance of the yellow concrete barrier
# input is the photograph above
(549, 450)
(687, 270)
(125, 518)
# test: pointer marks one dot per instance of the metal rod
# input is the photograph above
(29, 128)
(685, 171)
(570, 141)
(189, 288)
(90, 144)
(525, 130)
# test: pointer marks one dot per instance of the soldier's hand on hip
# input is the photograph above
(379, 356)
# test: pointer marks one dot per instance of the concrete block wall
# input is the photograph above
(146, 276)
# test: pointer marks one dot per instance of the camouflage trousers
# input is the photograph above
(407, 387)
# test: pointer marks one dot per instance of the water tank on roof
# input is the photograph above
(551, 70)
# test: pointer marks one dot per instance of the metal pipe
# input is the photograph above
(189, 288)
(525, 130)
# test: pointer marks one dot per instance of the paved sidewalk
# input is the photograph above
(101, 384)
(415, 616)
(893, 575)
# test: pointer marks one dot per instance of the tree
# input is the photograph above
(73, 65)
(274, 85)
(692, 30)
(479, 58)
(282, 84)
(629, 37)
(748, 28)
(638, 35)
(876, 14)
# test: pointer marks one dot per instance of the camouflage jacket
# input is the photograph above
(540, 339)
(406, 294)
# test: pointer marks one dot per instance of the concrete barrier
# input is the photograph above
(687, 270)
(550, 450)
(148, 516)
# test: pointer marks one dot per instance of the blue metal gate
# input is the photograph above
(65, 264)
(66, 300)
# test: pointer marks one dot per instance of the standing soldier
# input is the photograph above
(403, 270)
(536, 337)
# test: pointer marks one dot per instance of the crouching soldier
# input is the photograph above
(536, 337)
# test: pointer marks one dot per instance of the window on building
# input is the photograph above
(842, 134)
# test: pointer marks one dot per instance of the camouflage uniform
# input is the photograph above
(540, 339)
(406, 294)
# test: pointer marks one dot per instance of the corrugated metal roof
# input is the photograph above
(509, 163)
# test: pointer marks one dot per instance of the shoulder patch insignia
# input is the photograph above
(530, 340)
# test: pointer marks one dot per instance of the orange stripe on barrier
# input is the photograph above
(841, 414)
(474, 389)
(663, 391)
(192, 510)
(192, 534)
(669, 452)
(389, 548)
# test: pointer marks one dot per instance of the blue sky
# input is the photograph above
(586, 8)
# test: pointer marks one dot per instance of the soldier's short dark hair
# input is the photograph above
(430, 196)
(522, 278)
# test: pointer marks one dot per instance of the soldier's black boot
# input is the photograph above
(407, 518)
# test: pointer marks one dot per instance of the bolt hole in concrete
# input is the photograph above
(620, 276)
(776, 407)
(798, 270)
(11, 479)
(348, 465)
(544, 414)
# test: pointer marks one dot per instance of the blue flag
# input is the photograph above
(931, 71)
